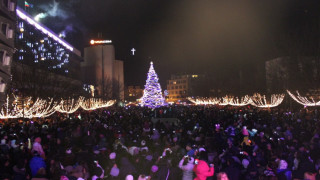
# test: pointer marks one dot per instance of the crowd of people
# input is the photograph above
(168, 143)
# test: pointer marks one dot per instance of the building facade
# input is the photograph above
(101, 69)
(133, 93)
(8, 22)
(43, 60)
(179, 87)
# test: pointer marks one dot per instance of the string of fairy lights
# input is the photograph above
(256, 100)
(27, 108)
(303, 100)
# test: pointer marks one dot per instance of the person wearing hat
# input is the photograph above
(38, 147)
(114, 172)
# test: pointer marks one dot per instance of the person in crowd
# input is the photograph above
(187, 164)
(201, 167)
(126, 143)
(222, 176)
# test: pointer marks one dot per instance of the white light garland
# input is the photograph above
(204, 101)
(226, 100)
(256, 100)
(303, 100)
(94, 103)
(259, 100)
(243, 101)
(70, 105)
(27, 108)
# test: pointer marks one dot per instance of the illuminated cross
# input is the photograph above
(133, 50)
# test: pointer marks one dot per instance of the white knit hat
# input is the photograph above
(245, 163)
(112, 155)
(129, 177)
(114, 172)
(283, 164)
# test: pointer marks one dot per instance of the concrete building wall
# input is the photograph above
(118, 76)
(7, 21)
(100, 67)
(94, 57)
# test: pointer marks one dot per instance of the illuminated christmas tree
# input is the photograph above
(152, 94)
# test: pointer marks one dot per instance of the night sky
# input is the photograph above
(189, 36)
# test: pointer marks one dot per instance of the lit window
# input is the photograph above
(174, 82)
(194, 76)
(21, 25)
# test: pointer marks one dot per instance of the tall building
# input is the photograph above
(179, 87)
(101, 69)
(7, 21)
(44, 59)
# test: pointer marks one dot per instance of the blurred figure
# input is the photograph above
(222, 176)
(186, 164)
(37, 147)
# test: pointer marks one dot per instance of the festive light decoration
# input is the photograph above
(256, 100)
(95, 103)
(243, 101)
(9, 110)
(40, 108)
(204, 101)
(226, 100)
(259, 100)
(303, 100)
(152, 94)
(27, 108)
(69, 106)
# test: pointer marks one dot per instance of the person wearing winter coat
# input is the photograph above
(202, 170)
(36, 163)
(186, 164)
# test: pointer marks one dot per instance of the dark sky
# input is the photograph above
(190, 36)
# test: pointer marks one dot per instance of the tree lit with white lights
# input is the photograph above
(152, 94)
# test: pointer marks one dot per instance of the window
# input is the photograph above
(12, 6)
(180, 87)
(6, 3)
(4, 28)
(2, 53)
(184, 86)
(21, 25)
(174, 82)
(6, 60)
